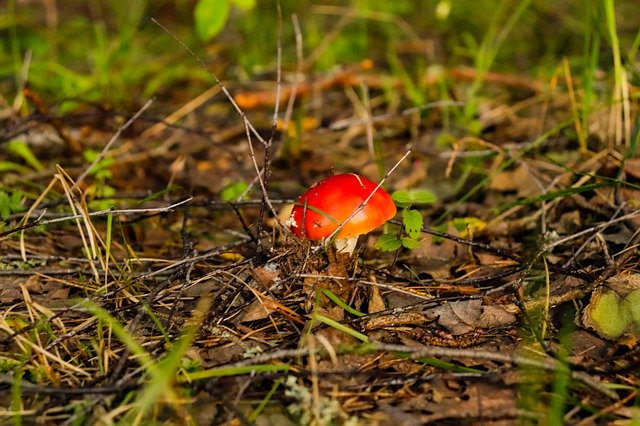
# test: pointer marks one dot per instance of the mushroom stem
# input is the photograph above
(346, 245)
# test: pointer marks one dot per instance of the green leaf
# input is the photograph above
(210, 17)
(341, 303)
(406, 197)
(9, 166)
(21, 149)
(10, 203)
(388, 242)
(341, 327)
(232, 192)
(409, 243)
(412, 220)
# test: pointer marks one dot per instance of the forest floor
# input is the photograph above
(146, 284)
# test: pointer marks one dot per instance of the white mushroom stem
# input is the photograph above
(346, 245)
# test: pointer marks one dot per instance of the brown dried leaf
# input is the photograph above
(465, 316)
(459, 317)
(266, 276)
(255, 311)
(495, 316)
(376, 303)
(623, 284)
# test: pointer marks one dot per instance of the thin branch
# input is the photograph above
(39, 222)
(544, 363)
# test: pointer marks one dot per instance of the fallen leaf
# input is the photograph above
(459, 317)
(465, 316)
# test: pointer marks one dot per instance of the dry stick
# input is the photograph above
(591, 420)
(294, 92)
(28, 388)
(267, 148)
(245, 225)
(585, 244)
(550, 364)
(97, 213)
(366, 200)
(485, 247)
(75, 208)
(597, 228)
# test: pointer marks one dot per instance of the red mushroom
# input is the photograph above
(326, 209)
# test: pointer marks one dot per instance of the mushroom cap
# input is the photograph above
(319, 211)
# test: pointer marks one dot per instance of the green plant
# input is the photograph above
(485, 55)
(412, 221)
(110, 56)
(10, 203)
(210, 16)
(234, 191)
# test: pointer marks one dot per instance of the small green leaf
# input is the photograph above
(21, 149)
(406, 197)
(101, 169)
(210, 17)
(412, 221)
(232, 192)
(388, 242)
(10, 203)
(409, 243)
(341, 303)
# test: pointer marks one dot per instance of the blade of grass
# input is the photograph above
(233, 371)
(491, 43)
(552, 195)
(447, 366)
(335, 324)
(621, 110)
(16, 397)
(143, 357)
(335, 299)
(255, 413)
(505, 164)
